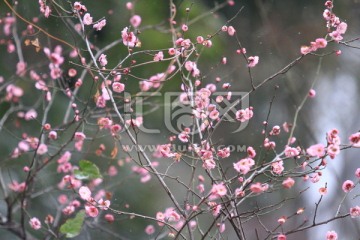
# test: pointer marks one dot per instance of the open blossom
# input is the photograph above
(88, 20)
(42, 149)
(85, 193)
(244, 115)
(277, 167)
(103, 61)
(314, 46)
(244, 165)
(104, 205)
(317, 150)
(355, 212)
(348, 185)
(251, 152)
(224, 153)
(281, 237)
(357, 173)
(35, 223)
(258, 187)
(275, 130)
(118, 87)
(253, 61)
(291, 152)
(150, 229)
(129, 38)
(135, 21)
(91, 211)
(159, 56)
(44, 8)
(340, 30)
(17, 187)
(288, 183)
(355, 139)
(331, 235)
(333, 150)
(99, 25)
(218, 190)
(192, 67)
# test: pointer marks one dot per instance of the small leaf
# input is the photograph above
(88, 170)
(72, 227)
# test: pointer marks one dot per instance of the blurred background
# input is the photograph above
(273, 30)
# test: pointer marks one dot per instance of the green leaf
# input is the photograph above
(72, 227)
(88, 170)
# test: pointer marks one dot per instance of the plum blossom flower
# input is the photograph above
(244, 115)
(35, 223)
(224, 152)
(348, 185)
(103, 61)
(21, 68)
(91, 211)
(88, 20)
(258, 187)
(281, 237)
(135, 21)
(30, 115)
(251, 152)
(331, 235)
(333, 150)
(231, 30)
(17, 187)
(129, 38)
(317, 150)
(118, 87)
(99, 25)
(44, 8)
(355, 212)
(192, 67)
(244, 165)
(340, 30)
(288, 183)
(159, 56)
(150, 229)
(357, 173)
(85, 193)
(218, 190)
(291, 152)
(275, 130)
(104, 205)
(355, 139)
(277, 167)
(42, 149)
(314, 46)
(253, 61)
(109, 218)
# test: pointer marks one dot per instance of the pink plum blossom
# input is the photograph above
(355, 211)
(35, 223)
(88, 20)
(317, 150)
(288, 183)
(253, 61)
(135, 21)
(85, 193)
(103, 61)
(348, 185)
(91, 211)
(118, 87)
(331, 235)
(99, 25)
